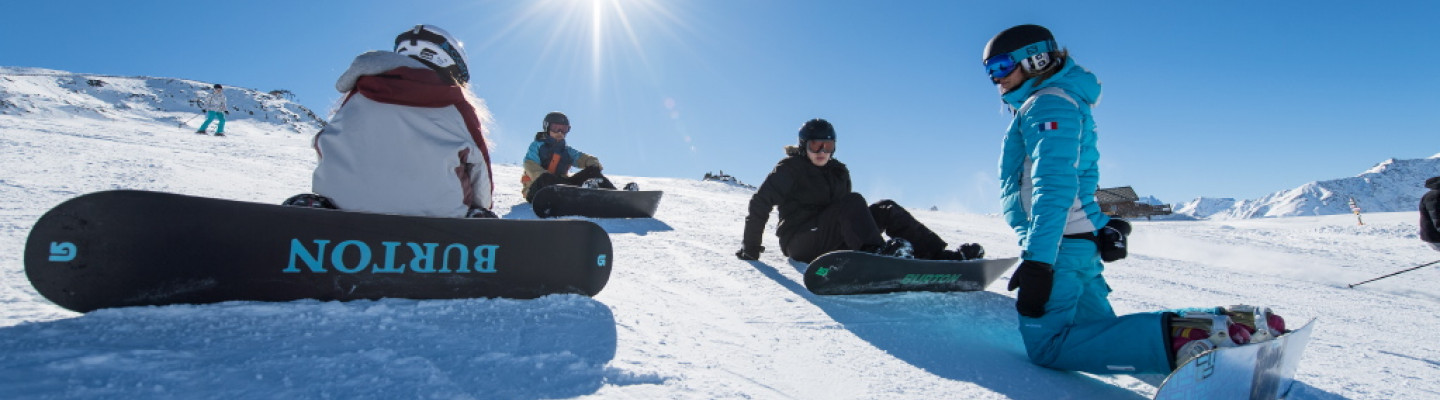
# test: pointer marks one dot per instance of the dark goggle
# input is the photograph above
(820, 146)
(1002, 65)
(557, 128)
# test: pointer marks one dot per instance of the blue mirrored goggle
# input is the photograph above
(1003, 65)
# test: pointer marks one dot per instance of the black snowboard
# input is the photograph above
(561, 200)
(856, 272)
(132, 248)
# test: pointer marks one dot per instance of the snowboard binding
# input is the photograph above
(1196, 332)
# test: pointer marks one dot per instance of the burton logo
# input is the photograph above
(454, 258)
(62, 251)
(920, 279)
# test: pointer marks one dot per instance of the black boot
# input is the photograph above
(898, 223)
(310, 200)
(968, 251)
(898, 248)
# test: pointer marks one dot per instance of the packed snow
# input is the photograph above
(681, 316)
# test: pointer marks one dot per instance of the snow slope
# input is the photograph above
(51, 94)
(681, 317)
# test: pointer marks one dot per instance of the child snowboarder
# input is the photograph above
(549, 159)
(215, 110)
(407, 137)
(819, 213)
(1049, 172)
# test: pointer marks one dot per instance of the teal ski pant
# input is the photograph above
(211, 116)
(1080, 332)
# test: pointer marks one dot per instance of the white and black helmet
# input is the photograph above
(435, 47)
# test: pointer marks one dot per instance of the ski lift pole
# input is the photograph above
(1355, 207)
(1396, 273)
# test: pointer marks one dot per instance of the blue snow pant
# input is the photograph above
(211, 116)
(1080, 332)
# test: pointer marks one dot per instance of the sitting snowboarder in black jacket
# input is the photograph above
(1430, 214)
(819, 213)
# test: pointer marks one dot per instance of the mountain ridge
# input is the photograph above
(171, 101)
(1390, 186)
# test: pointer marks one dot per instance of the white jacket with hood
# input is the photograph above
(403, 142)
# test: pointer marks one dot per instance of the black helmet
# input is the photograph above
(817, 129)
(217, 86)
(554, 117)
(1014, 38)
(1035, 40)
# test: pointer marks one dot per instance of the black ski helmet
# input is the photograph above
(1022, 36)
(217, 86)
(554, 117)
(437, 49)
(817, 129)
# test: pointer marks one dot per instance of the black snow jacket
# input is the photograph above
(1429, 212)
(801, 190)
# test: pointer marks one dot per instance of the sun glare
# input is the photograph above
(598, 35)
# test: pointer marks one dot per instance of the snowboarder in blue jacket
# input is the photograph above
(1049, 172)
(548, 161)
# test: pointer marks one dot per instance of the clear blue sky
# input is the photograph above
(1216, 99)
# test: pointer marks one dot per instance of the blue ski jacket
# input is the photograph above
(549, 155)
(1048, 166)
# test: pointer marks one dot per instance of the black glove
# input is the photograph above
(481, 213)
(1113, 239)
(972, 251)
(1034, 279)
(227, 112)
(750, 253)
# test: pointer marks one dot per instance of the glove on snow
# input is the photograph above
(749, 253)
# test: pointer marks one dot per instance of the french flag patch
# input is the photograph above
(1049, 126)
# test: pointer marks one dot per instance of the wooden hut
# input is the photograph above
(1124, 203)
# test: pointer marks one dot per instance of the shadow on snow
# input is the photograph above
(553, 347)
(969, 337)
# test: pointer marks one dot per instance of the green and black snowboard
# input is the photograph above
(857, 272)
(135, 248)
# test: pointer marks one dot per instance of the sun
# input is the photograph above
(597, 35)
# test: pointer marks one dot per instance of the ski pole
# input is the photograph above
(1396, 273)
(187, 122)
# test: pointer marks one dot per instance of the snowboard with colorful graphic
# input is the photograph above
(1254, 371)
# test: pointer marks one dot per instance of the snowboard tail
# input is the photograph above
(562, 200)
(134, 248)
(1254, 371)
(855, 272)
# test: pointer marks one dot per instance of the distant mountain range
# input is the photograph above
(1392, 185)
(170, 101)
